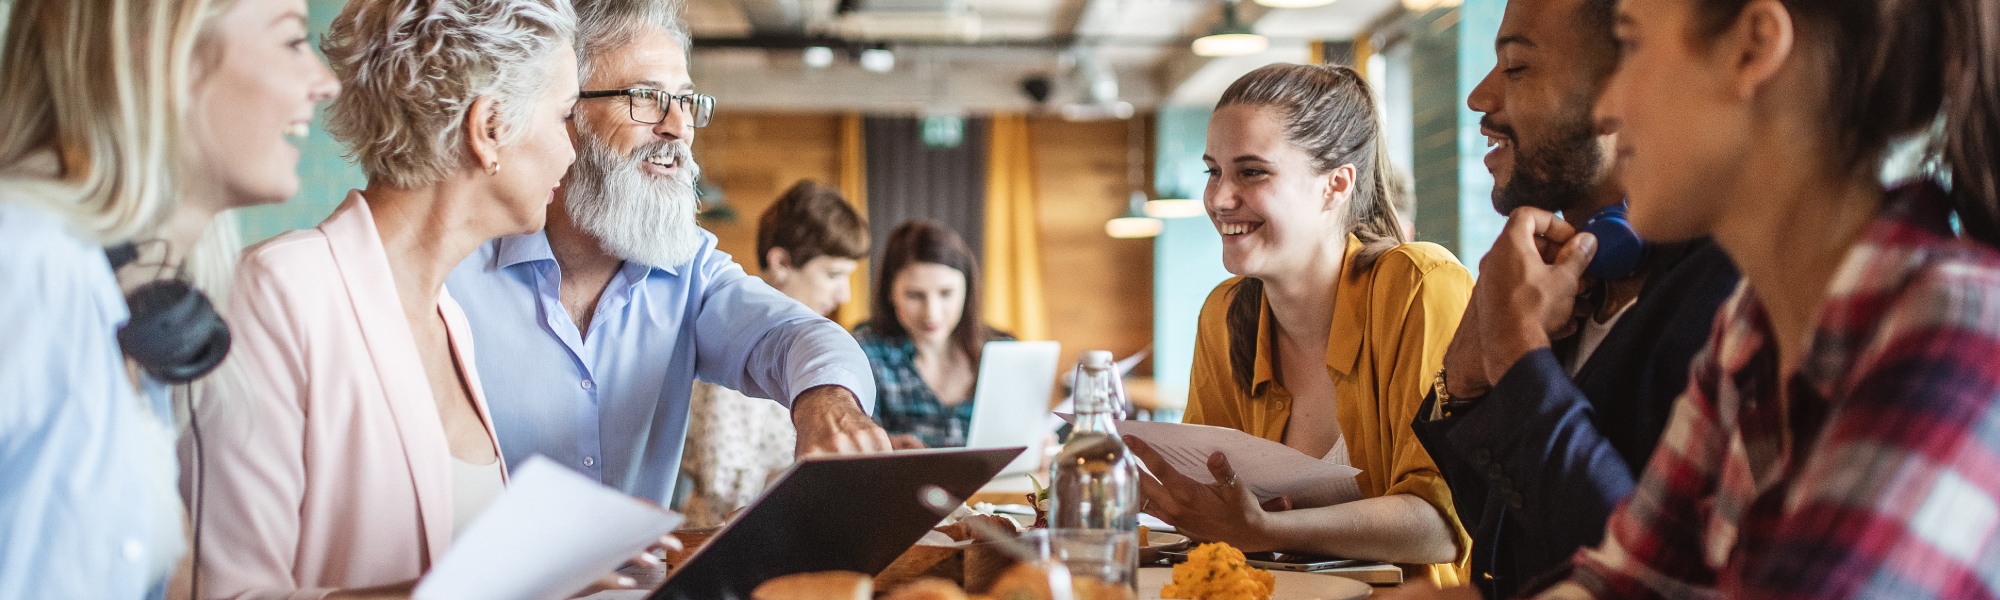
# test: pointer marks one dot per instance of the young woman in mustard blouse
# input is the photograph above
(1327, 339)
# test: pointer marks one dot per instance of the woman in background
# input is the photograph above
(1327, 339)
(925, 336)
(808, 245)
(355, 444)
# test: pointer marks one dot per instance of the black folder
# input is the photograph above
(853, 513)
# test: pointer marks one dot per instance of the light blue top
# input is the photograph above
(613, 404)
(88, 507)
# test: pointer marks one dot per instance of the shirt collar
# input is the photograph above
(1350, 314)
(517, 249)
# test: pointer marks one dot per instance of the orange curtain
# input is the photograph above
(854, 185)
(1013, 246)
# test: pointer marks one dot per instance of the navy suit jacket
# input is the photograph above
(1537, 465)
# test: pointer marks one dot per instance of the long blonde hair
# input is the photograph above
(102, 86)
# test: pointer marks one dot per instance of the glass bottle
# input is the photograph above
(1094, 482)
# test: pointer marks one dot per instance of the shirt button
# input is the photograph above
(588, 461)
(587, 384)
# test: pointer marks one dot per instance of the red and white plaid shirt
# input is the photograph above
(1879, 477)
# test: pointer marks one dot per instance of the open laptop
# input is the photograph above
(848, 513)
(1010, 405)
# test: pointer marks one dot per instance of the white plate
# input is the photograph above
(1292, 585)
(1159, 539)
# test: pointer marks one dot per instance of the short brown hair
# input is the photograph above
(811, 221)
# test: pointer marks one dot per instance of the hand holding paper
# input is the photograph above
(1268, 469)
(550, 534)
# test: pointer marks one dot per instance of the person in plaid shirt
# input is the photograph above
(1839, 436)
(924, 339)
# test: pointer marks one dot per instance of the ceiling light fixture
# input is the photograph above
(1230, 37)
(819, 57)
(1294, 3)
(1135, 223)
(879, 60)
(1175, 208)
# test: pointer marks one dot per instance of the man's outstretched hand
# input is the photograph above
(830, 421)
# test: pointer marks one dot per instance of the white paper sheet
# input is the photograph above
(550, 534)
(1270, 469)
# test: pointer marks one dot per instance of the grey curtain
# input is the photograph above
(908, 180)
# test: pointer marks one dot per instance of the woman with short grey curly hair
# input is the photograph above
(356, 443)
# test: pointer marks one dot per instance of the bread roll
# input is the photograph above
(825, 585)
(928, 588)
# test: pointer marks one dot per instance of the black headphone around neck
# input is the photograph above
(174, 332)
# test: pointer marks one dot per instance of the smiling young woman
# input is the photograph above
(1327, 339)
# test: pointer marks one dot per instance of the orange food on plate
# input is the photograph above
(1218, 572)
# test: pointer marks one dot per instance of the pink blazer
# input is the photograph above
(324, 462)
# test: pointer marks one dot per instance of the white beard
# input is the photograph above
(635, 216)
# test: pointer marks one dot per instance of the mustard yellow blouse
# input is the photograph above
(1391, 324)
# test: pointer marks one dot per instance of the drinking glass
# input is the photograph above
(1103, 564)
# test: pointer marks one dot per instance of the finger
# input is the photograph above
(644, 560)
(1234, 491)
(1528, 221)
(1225, 475)
(610, 581)
(1165, 471)
(1575, 256)
(667, 543)
(877, 439)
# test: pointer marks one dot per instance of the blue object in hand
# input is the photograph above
(1619, 249)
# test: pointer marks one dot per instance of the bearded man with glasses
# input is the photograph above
(592, 331)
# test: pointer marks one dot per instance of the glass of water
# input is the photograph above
(1103, 564)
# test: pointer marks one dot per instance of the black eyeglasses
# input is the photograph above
(650, 106)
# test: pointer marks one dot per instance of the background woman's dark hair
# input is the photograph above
(1896, 65)
(926, 241)
(1329, 113)
(811, 221)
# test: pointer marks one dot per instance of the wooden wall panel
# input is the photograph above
(754, 158)
(1099, 290)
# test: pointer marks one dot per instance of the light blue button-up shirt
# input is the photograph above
(613, 404)
(88, 507)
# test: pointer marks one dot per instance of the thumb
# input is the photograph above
(1576, 254)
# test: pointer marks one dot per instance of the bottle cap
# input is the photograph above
(1097, 358)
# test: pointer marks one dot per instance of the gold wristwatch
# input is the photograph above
(1446, 406)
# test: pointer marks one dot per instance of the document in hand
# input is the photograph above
(1270, 469)
(550, 534)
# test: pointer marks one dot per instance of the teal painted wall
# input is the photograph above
(1478, 225)
(1452, 49)
(1187, 257)
(324, 174)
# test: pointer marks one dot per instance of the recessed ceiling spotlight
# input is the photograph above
(879, 60)
(819, 57)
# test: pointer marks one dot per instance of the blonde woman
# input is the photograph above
(96, 144)
(356, 441)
